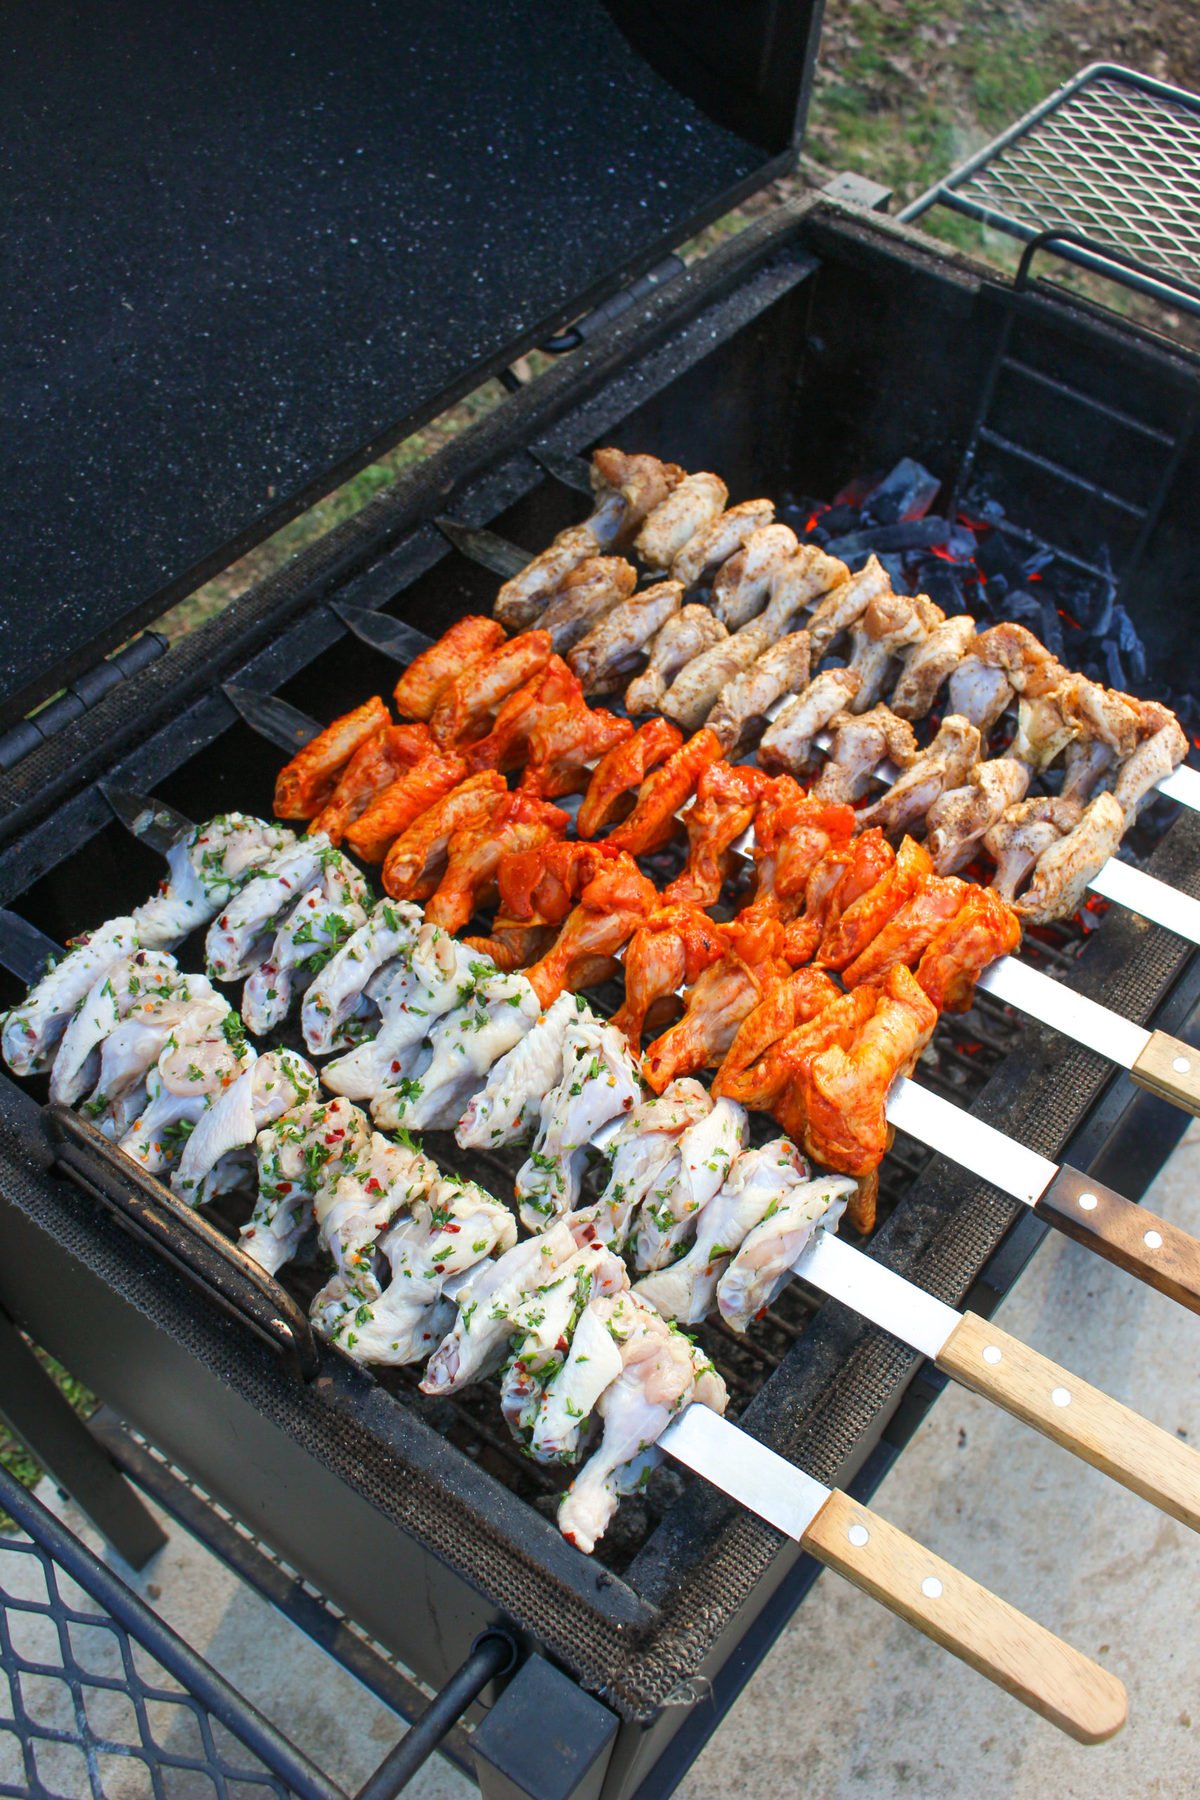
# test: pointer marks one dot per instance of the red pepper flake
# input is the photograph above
(285, 1187)
(562, 1344)
(373, 1186)
(451, 1228)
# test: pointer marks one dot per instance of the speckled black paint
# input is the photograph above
(247, 238)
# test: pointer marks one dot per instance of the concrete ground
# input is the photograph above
(851, 1703)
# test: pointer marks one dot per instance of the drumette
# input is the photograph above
(300, 1158)
(599, 1082)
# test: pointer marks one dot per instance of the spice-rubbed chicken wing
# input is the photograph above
(417, 860)
(563, 745)
(622, 770)
(983, 929)
(1030, 667)
(610, 908)
(1162, 746)
(420, 687)
(1061, 877)
(958, 819)
(665, 954)
(695, 690)
(304, 785)
(506, 745)
(727, 798)
(721, 998)
(654, 820)
(859, 743)
(694, 504)
(929, 664)
(742, 585)
(525, 595)
(910, 931)
(1017, 840)
(788, 742)
(380, 761)
(861, 920)
(466, 705)
(944, 765)
(406, 799)
(978, 691)
(845, 605)
(605, 659)
(585, 597)
(834, 1099)
(742, 705)
(686, 635)
(713, 546)
(521, 822)
(892, 624)
(627, 488)
(799, 581)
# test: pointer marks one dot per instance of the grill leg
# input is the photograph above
(34, 1411)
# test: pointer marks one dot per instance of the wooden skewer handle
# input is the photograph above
(1171, 1069)
(1141, 1456)
(1128, 1235)
(1020, 1656)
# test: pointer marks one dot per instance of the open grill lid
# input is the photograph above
(253, 245)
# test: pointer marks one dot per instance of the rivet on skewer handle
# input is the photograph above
(1140, 1455)
(1137, 1241)
(1021, 1656)
(1171, 1069)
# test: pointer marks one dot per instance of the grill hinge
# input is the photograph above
(579, 333)
(85, 692)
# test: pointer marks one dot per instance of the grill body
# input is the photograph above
(815, 346)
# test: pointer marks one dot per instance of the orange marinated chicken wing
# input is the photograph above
(859, 921)
(669, 952)
(984, 929)
(521, 823)
(540, 887)
(304, 785)
(721, 998)
(421, 686)
(408, 796)
(654, 820)
(909, 933)
(834, 1104)
(727, 798)
(792, 835)
(506, 745)
(611, 907)
(467, 703)
(416, 861)
(622, 769)
(370, 770)
(783, 1007)
(563, 744)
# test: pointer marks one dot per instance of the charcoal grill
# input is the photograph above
(820, 342)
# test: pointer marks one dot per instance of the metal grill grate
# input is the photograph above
(91, 1702)
(1113, 156)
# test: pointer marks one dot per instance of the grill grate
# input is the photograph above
(89, 1694)
(1112, 155)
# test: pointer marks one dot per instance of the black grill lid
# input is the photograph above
(253, 242)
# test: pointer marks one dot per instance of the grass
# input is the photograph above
(13, 1454)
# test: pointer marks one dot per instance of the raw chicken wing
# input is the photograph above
(609, 654)
(859, 743)
(696, 689)
(982, 930)
(466, 705)
(743, 704)
(742, 585)
(719, 541)
(763, 1264)
(944, 765)
(526, 595)
(695, 503)
(416, 861)
(654, 820)
(788, 742)
(587, 594)
(1064, 871)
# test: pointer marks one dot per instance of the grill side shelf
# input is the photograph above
(211, 1263)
